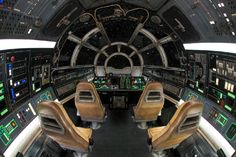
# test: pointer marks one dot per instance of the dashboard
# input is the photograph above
(116, 83)
(211, 78)
(25, 79)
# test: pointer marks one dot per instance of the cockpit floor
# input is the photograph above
(119, 135)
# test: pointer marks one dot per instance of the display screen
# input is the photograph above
(3, 105)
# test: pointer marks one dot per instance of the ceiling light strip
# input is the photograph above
(220, 47)
(9, 44)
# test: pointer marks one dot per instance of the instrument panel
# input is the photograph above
(123, 82)
(12, 125)
(25, 76)
(65, 79)
(16, 85)
(4, 109)
(211, 78)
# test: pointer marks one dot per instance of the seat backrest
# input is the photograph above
(88, 103)
(57, 125)
(183, 124)
(150, 103)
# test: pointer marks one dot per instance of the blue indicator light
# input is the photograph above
(9, 66)
(1, 1)
(12, 93)
(23, 81)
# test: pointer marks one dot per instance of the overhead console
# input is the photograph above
(218, 92)
(25, 77)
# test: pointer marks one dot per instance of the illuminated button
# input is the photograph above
(13, 58)
(13, 124)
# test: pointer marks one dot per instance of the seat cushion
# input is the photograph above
(153, 132)
(85, 131)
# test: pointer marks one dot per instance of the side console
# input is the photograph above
(12, 125)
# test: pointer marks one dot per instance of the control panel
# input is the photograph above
(220, 119)
(17, 76)
(172, 79)
(65, 79)
(119, 83)
(40, 71)
(25, 76)
(4, 107)
(222, 82)
(197, 71)
(212, 80)
(16, 121)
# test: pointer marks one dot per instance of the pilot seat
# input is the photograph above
(58, 126)
(88, 104)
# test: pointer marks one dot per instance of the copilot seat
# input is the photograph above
(88, 104)
(149, 105)
(183, 124)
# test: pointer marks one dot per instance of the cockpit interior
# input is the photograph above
(117, 78)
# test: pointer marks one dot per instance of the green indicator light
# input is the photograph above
(221, 95)
(2, 97)
(1, 91)
(230, 134)
(222, 120)
(228, 107)
(231, 95)
(197, 83)
(4, 112)
(6, 136)
(1, 85)
(200, 90)
(13, 127)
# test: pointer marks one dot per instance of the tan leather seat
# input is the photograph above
(88, 103)
(150, 103)
(58, 126)
(182, 125)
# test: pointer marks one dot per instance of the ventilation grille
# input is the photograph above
(51, 124)
(190, 122)
(154, 96)
(86, 96)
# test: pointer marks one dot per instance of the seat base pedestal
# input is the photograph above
(142, 125)
(159, 154)
(95, 125)
(79, 154)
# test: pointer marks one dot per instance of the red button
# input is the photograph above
(13, 58)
